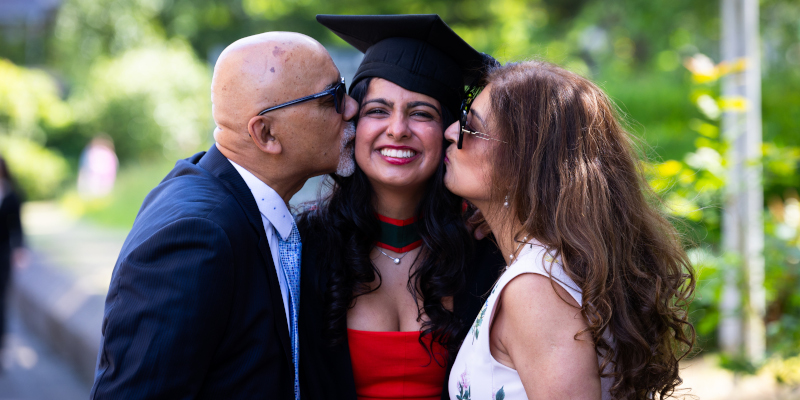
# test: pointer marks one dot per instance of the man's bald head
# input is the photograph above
(260, 71)
(286, 146)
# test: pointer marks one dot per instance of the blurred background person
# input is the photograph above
(10, 238)
(98, 168)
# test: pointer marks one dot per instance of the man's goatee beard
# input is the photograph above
(347, 162)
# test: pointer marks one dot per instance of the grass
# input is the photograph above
(119, 209)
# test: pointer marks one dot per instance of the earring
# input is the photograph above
(506, 202)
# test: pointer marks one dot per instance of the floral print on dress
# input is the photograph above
(463, 387)
(479, 320)
(499, 395)
(488, 379)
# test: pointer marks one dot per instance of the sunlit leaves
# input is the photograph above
(786, 371)
(88, 29)
(267, 9)
(704, 128)
(669, 168)
(708, 106)
(733, 103)
(29, 101)
(29, 106)
(683, 207)
(149, 99)
(782, 161)
(781, 251)
(40, 171)
(702, 68)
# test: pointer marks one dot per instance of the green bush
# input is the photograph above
(30, 108)
(694, 190)
(40, 172)
(656, 110)
(152, 101)
(30, 103)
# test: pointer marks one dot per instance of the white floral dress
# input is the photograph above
(476, 375)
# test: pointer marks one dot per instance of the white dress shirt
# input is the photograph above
(274, 214)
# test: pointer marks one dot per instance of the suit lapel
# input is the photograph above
(219, 166)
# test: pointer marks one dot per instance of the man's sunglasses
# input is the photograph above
(337, 92)
(462, 123)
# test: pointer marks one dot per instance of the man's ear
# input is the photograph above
(260, 132)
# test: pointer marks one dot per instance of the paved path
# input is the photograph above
(71, 246)
(710, 382)
(32, 372)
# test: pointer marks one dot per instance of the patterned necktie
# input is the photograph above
(289, 251)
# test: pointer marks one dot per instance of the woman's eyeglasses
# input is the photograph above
(462, 123)
(337, 92)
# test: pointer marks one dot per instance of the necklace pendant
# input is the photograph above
(397, 261)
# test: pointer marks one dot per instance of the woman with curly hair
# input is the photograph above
(593, 301)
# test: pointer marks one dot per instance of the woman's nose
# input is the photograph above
(398, 127)
(451, 133)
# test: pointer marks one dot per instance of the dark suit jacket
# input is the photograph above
(10, 239)
(194, 309)
(326, 372)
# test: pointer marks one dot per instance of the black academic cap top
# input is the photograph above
(417, 52)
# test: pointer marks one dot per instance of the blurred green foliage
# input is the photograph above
(782, 254)
(153, 101)
(39, 171)
(89, 31)
(694, 190)
(30, 103)
(633, 48)
(30, 110)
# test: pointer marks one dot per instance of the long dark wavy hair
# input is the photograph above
(349, 227)
(581, 192)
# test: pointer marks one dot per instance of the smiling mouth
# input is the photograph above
(394, 153)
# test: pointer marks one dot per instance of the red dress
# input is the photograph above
(393, 365)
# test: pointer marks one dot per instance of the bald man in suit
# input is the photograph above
(200, 299)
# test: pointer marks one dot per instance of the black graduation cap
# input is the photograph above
(417, 52)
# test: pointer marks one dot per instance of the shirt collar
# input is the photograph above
(270, 204)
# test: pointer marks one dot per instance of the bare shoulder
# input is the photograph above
(528, 287)
(536, 329)
(535, 300)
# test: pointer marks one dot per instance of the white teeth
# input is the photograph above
(394, 153)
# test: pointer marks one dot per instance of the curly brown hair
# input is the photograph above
(581, 192)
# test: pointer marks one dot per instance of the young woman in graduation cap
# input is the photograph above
(597, 277)
(391, 278)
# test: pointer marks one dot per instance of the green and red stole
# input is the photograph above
(397, 235)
